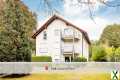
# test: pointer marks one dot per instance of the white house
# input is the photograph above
(61, 40)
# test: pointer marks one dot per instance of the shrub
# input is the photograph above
(110, 54)
(99, 54)
(117, 54)
(113, 54)
(41, 59)
(79, 59)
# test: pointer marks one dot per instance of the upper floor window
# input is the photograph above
(57, 32)
(44, 35)
(68, 31)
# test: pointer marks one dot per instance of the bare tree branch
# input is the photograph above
(108, 4)
(90, 11)
(50, 10)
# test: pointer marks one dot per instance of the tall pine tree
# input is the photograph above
(15, 38)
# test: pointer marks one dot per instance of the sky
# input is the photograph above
(79, 14)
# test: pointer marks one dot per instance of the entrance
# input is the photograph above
(68, 58)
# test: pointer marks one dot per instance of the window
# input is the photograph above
(57, 32)
(45, 35)
(68, 31)
(57, 60)
(43, 50)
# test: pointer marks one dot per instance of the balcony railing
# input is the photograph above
(70, 37)
(68, 49)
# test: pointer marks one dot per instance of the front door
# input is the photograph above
(68, 58)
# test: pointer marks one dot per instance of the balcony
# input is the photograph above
(68, 49)
(70, 37)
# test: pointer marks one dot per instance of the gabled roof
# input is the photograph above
(45, 25)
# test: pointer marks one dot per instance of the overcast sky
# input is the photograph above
(79, 14)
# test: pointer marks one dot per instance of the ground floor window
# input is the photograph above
(43, 50)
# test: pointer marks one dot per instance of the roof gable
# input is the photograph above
(45, 25)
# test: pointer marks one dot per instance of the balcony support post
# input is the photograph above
(82, 45)
(73, 44)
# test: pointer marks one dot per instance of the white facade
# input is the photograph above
(62, 42)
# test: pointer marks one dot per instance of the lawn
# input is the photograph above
(64, 76)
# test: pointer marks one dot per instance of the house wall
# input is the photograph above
(85, 49)
(52, 46)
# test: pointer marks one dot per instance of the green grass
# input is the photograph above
(64, 76)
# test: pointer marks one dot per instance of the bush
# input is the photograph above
(41, 59)
(79, 59)
(117, 55)
(110, 54)
(99, 54)
(113, 54)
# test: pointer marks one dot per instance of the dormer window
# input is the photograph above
(44, 35)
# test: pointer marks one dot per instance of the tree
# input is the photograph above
(17, 23)
(98, 54)
(1, 13)
(111, 36)
(1, 4)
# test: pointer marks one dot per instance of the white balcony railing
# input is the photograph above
(69, 49)
(71, 36)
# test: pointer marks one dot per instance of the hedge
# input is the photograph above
(79, 59)
(41, 59)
